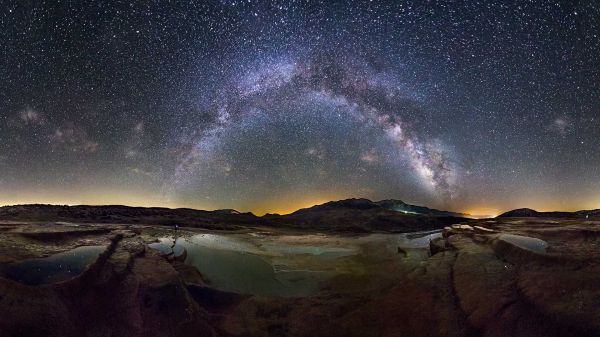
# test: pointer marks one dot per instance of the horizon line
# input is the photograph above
(266, 213)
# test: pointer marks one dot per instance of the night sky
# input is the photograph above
(272, 106)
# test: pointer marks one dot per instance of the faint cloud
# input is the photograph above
(369, 157)
(139, 171)
(139, 128)
(318, 152)
(134, 146)
(226, 167)
(322, 173)
(73, 139)
(130, 153)
(365, 191)
(31, 117)
(561, 125)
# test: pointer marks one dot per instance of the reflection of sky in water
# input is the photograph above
(525, 242)
(273, 266)
(246, 273)
(55, 268)
(310, 250)
(223, 242)
(418, 240)
(232, 264)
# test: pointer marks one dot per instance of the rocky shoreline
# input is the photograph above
(477, 282)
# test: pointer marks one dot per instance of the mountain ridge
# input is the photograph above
(531, 213)
(357, 215)
(390, 204)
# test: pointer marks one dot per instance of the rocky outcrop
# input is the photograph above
(502, 287)
(129, 291)
(480, 279)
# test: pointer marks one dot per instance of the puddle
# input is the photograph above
(286, 266)
(418, 240)
(55, 268)
(234, 265)
(310, 250)
(525, 242)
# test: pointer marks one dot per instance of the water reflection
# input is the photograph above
(418, 240)
(52, 269)
(236, 266)
(525, 242)
(288, 266)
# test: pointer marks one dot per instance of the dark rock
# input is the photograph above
(437, 245)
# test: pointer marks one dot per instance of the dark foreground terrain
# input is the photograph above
(351, 215)
(484, 278)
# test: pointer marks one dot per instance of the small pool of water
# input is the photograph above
(418, 240)
(54, 268)
(525, 242)
(231, 264)
(310, 250)
(286, 266)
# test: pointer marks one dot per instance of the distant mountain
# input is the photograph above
(389, 204)
(227, 211)
(593, 213)
(401, 206)
(356, 215)
(219, 219)
(530, 213)
(519, 213)
(355, 204)
(363, 215)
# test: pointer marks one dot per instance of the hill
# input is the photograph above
(219, 219)
(400, 206)
(363, 215)
(357, 215)
(530, 213)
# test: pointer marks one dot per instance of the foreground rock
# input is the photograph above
(475, 284)
(128, 291)
(504, 277)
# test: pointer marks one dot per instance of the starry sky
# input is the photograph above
(270, 106)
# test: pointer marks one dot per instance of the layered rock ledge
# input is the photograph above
(505, 277)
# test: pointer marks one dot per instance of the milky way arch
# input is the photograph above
(367, 95)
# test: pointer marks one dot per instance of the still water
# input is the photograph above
(287, 266)
(54, 268)
(525, 242)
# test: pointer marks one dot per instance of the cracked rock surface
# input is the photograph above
(542, 279)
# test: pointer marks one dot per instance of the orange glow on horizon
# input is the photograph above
(483, 212)
(287, 209)
(292, 203)
(279, 204)
(286, 205)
